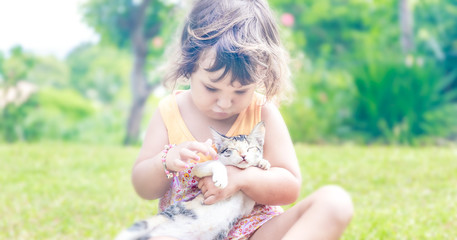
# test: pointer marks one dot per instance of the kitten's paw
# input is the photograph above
(220, 180)
(264, 164)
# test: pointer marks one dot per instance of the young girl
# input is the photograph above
(231, 56)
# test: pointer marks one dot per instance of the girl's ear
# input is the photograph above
(258, 133)
(218, 138)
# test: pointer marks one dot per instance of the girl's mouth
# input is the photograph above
(221, 114)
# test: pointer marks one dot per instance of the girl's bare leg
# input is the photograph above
(325, 214)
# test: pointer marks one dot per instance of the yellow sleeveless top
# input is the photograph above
(178, 131)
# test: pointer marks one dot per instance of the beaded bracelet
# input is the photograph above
(164, 159)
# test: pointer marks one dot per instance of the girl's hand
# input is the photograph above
(179, 156)
(213, 194)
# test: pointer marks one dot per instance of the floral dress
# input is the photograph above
(184, 188)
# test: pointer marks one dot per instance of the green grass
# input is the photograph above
(71, 191)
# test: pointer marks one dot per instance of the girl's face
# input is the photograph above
(218, 100)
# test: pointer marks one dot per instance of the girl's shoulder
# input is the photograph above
(270, 110)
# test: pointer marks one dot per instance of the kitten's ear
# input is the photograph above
(218, 139)
(258, 133)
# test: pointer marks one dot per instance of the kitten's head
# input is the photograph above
(241, 151)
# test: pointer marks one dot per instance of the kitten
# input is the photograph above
(193, 219)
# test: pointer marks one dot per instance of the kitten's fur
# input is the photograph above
(194, 220)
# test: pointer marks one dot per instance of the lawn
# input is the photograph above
(74, 191)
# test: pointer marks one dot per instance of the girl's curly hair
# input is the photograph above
(246, 41)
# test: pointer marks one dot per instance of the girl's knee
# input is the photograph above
(337, 203)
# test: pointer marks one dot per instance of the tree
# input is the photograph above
(131, 23)
(406, 20)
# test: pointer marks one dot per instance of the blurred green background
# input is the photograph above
(375, 81)
(382, 71)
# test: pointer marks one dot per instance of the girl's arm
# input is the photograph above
(281, 184)
(148, 174)
(278, 186)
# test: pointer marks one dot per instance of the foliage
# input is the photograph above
(2, 59)
(133, 24)
(15, 67)
(398, 101)
(346, 89)
(65, 115)
(106, 126)
(66, 101)
(49, 72)
(13, 111)
(99, 72)
(57, 115)
(330, 29)
(80, 191)
(115, 20)
(58, 111)
(320, 106)
(437, 32)
(13, 120)
(339, 37)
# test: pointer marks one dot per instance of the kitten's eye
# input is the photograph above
(227, 152)
(253, 149)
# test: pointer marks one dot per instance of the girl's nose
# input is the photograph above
(224, 102)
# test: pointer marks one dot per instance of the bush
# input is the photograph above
(62, 115)
(13, 120)
(320, 106)
(57, 115)
(398, 102)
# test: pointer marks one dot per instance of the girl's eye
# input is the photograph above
(210, 89)
(240, 92)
